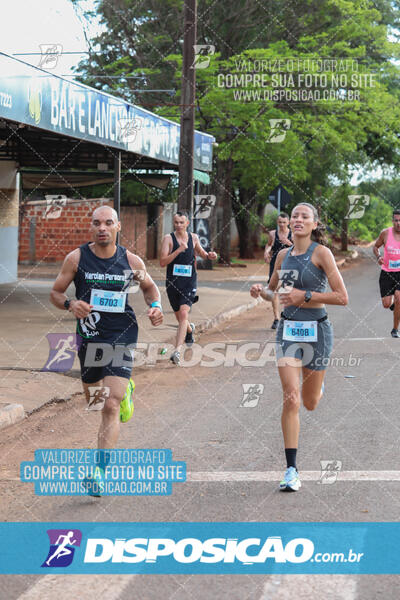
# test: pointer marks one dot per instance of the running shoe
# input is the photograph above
(126, 407)
(176, 358)
(395, 333)
(275, 324)
(95, 484)
(290, 481)
(189, 339)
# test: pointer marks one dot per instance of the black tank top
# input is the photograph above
(277, 246)
(182, 282)
(105, 274)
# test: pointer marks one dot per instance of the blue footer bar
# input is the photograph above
(196, 548)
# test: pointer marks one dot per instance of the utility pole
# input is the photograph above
(186, 148)
(117, 186)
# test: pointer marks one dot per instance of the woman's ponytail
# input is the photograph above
(318, 235)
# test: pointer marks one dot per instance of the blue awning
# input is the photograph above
(35, 97)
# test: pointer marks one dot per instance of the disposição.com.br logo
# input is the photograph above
(62, 547)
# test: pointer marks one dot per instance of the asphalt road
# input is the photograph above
(200, 412)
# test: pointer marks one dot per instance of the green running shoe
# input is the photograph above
(126, 407)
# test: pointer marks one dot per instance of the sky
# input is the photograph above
(30, 23)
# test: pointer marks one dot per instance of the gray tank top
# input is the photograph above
(300, 272)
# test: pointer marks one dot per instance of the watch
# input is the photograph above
(67, 304)
(307, 296)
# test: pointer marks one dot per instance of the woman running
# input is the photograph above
(304, 337)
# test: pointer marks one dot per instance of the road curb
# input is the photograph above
(11, 414)
(226, 315)
(220, 318)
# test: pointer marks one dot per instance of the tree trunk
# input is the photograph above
(217, 189)
(246, 207)
(225, 234)
(242, 211)
(344, 234)
(259, 228)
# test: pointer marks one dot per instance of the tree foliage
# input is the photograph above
(326, 140)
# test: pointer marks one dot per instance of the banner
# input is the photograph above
(199, 548)
(35, 97)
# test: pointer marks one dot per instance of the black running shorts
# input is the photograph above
(113, 360)
(389, 282)
(178, 297)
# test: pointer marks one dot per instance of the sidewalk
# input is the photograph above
(28, 317)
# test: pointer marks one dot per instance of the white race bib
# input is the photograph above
(182, 270)
(394, 264)
(108, 301)
(300, 331)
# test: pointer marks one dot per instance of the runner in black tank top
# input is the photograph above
(274, 246)
(181, 280)
(106, 324)
(109, 274)
(178, 252)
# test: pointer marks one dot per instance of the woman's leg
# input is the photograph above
(311, 391)
(290, 379)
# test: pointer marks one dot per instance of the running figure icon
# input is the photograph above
(62, 549)
(64, 348)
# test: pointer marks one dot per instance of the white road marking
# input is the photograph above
(232, 476)
(368, 339)
(304, 587)
(90, 587)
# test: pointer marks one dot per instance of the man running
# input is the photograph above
(278, 239)
(178, 252)
(389, 280)
(106, 324)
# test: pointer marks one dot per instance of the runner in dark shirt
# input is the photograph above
(178, 252)
(278, 239)
(102, 272)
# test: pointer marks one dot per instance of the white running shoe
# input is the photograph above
(175, 358)
(290, 481)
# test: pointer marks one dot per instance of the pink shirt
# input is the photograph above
(391, 256)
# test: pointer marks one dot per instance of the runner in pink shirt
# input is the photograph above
(389, 280)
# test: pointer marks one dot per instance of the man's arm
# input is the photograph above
(381, 241)
(268, 247)
(79, 308)
(166, 256)
(267, 293)
(199, 250)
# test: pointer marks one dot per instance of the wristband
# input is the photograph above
(156, 304)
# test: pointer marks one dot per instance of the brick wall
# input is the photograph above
(49, 240)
